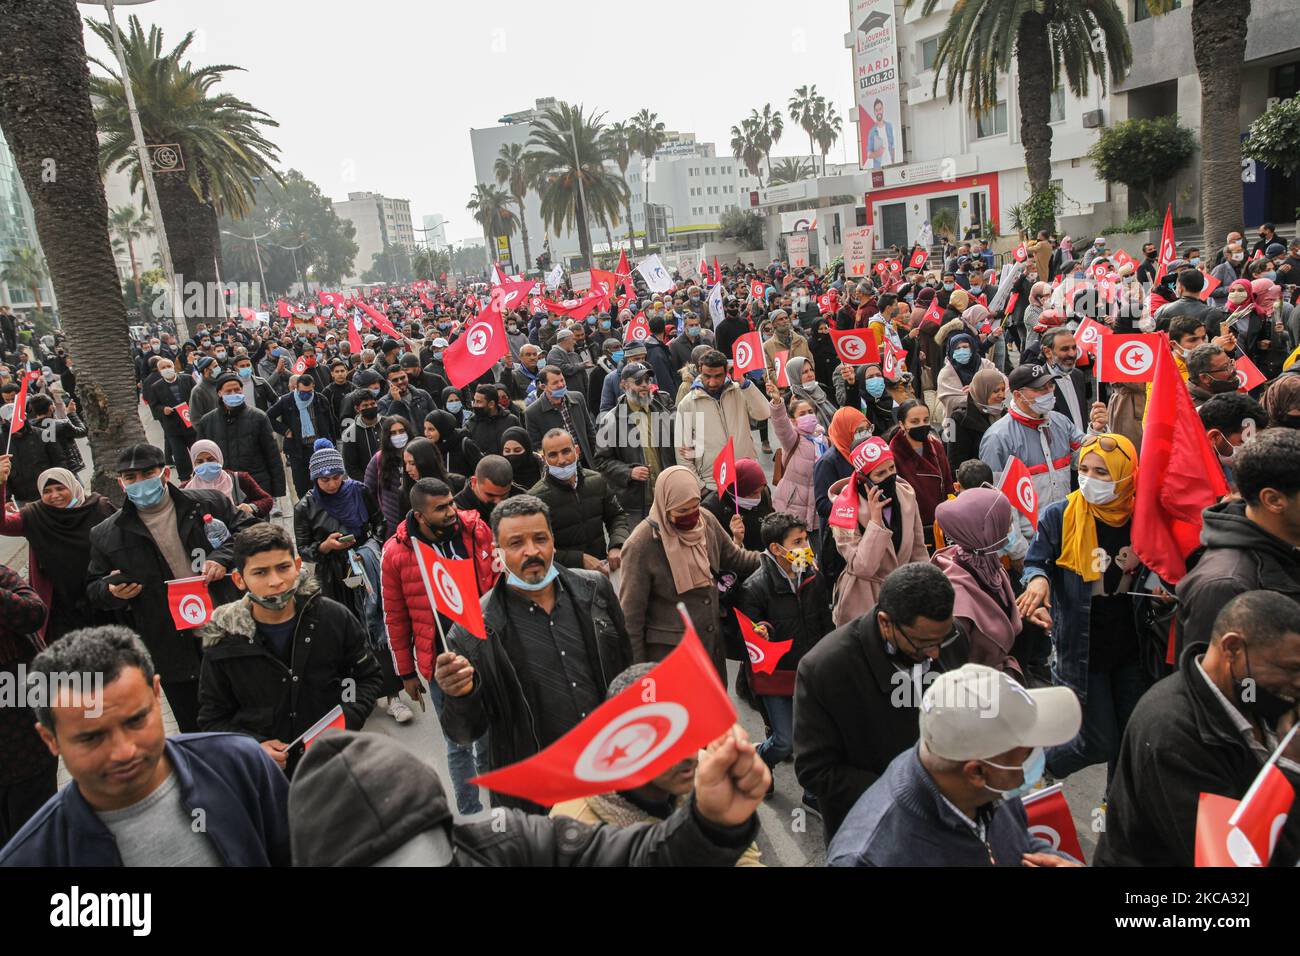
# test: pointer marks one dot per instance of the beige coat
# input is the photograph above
(868, 552)
(952, 393)
(798, 348)
(614, 810)
(704, 425)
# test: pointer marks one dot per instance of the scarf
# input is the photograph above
(1079, 524)
(347, 505)
(823, 407)
(1281, 397)
(965, 370)
(975, 524)
(526, 468)
(223, 483)
(843, 424)
(687, 551)
(306, 424)
(982, 385)
(60, 537)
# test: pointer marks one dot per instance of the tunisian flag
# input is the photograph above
(747, 354)
(763, 655)
(856, 346)
(724, 467)
(1245, 832)
(1049, 819)
(638, 330)
(183, 413)
(334, 720)
(282, 309)
(451, 587)
(477, 349)
(1165, 254)
(354, 333)
(1018, 486)
(380, 321)
(190, 602)
(1178, 475)
(330, 298)
(1129, 358)
(668, 715)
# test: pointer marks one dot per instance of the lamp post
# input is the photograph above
(146, 168)
(257, 254)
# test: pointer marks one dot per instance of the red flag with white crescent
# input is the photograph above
(189, 601)
(183, 413)
(1088, 334)
(477, 349)
(919, 257)
(282, 309)
(1245, 832)
(757, 289)
(778, 364)
(1018, 486)
(638, 330)
(1248, 374)
(669, 714)
(855, 346)
(747, 354)
(1165, 253)
(300, 366)
(20, 402)
(724, 467)
(1128, 358)
(763, 655)
(1049, 818)
(354, 333)
(451, 587)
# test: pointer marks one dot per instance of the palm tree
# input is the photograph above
(220, 136)
(792, 170)
(514, 167)
(768, 126)
(491, 208)
(1219, 47)
(26, 270)
(130, 223)
(49, 123)
(744, 146)
(648, 134)
(575, 185)
(828, 129)
(617, 142)
(1083, 38)
(805, 107)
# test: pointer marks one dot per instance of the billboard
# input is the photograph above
(875, 83)
(797, 246)
(857, 251)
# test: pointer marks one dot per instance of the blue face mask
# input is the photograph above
(147, 492)
(1032, 768)
(541, 364)
(374, 390)
(455, 407)
(301, 397)
(208, 471)
(693, 331)
(1045, 403)
(245, 371)
(563, 472)
(1270, 276)
(515, 581)
(233, 401)
(559, 394)
(875, 387)
(604, 323)
(1195, 260)
(961, 356)
(617, 355)
(948, 286)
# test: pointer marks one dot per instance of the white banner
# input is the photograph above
(857, 251)
(688, 264)
(796, 246)
(654, 273)
(581, 281)
(875, 83)
(716, 311)
(555, 277)
(798, 221)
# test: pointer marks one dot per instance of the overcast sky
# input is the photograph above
(381, 95)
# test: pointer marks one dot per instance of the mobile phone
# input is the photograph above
(118, 578)
(348, 539)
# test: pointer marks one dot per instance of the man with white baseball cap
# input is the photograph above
(954, 798)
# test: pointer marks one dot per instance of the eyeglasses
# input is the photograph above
(1107, 444)
(930, 645)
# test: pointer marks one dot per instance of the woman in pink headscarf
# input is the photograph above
(976, 524)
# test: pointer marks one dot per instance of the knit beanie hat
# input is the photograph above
(326, 460)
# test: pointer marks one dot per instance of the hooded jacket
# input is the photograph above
(244, 688)
(359, 800)
(582, 515)
(704, 424)
(247, 443)
(1236, 555)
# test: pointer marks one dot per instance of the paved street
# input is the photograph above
(790, 835)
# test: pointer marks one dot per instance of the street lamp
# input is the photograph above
(256, 253)
(293, 251)
(146, 167)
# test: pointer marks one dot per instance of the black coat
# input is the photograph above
(968, 428)
(497, 705)
(122, 542)
(247, 443)
(161, 394)
(581, 516)
(245, 689)
(1178, 744)
(852, 715)
(803, 617)
(541, 416)
(487, 432)
(286, 420)
(358, 445)
(617, 454)
(32, 454)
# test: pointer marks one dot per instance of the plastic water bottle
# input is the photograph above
(216, 530)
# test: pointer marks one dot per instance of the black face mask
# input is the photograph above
(919, 433)
(1266, 705)
(370, 414)
(887, 486)
(1223, 386)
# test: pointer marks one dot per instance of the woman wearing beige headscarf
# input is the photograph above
(679, 554)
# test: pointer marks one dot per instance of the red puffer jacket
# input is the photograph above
(406, 603)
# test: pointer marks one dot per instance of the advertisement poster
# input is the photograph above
(875, 83)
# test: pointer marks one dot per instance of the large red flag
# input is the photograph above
(855, 346)
(666, 716)
(1178, 475)
(1244, 833)
(1049, 818)
(282, 309)
(426, 302)
(763, 655)
(451, 587)
(1129, 358)
(603, 284)
(190, 602)
(1165, 254)
(724, 467)
(1018, 486)
(717, 271)
(330, 298)
(638, 330)
(477, 349)
(747, 354)
(380, 321)
(354, 333)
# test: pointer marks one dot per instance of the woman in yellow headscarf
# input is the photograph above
(1083, 558)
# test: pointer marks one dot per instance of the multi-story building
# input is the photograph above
(380, 223)
(434, 233)
(17, 231)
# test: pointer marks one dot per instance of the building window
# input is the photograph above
(992, 122)
(1140, 11)
(929, 51)
(1057, 114)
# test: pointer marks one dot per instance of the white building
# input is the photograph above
(380, 222)
(17, 231)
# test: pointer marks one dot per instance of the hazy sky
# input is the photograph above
(381, 95)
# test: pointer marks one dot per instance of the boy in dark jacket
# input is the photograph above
(283, 628)
(136, 802)
(788, 599)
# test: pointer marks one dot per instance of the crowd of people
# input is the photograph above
(310, 454)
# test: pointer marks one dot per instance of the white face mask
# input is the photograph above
(1098, 491)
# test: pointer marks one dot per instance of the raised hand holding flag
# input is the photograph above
(724, 469)
(451, 588)
(763, 654)
(1018, 486)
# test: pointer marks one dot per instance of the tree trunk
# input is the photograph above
(584, 231)
(36, 297)
(812, 156)
(523, 231)
(1034, 92)
(45, 113)
(1219, 43)
(135, 266)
